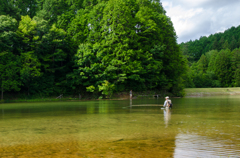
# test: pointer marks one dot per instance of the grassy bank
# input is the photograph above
(212, 91)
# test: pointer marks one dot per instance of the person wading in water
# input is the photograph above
(130, 94)
(167, 103)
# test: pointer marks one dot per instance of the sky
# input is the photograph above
(195, 18)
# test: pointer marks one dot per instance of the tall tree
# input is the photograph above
(221, 43)
(128, 44)
(226, 45)
(9, 72)
(222, 67)
(203, 64)
(41, 43)
(9, 68)
(8, 27)
(215, 45)
(233, 43)
(30, 68)
(235, 66)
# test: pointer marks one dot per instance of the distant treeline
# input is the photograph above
(52, 47)
(228, 39)
(214, 61)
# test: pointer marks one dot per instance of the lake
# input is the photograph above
(194, 127)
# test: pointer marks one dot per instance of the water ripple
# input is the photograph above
(191, 145)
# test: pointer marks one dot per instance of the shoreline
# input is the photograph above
(189, 92)
(86, 97)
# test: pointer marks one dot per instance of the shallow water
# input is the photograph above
(195, 127)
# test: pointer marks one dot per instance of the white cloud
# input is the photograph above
(193, 19)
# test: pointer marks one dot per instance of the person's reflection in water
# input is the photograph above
(167, 116)
(130, 104)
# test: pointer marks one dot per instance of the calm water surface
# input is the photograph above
(195, 127)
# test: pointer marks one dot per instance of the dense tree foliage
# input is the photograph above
(52, 47)
(215, 69)
(228, 39)
(214, 60)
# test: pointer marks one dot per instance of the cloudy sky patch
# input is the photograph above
(193, 19)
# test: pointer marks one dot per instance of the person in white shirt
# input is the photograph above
(167, 102)
(130, 94)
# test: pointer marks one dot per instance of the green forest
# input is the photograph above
(213, 61)
(100, 47)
